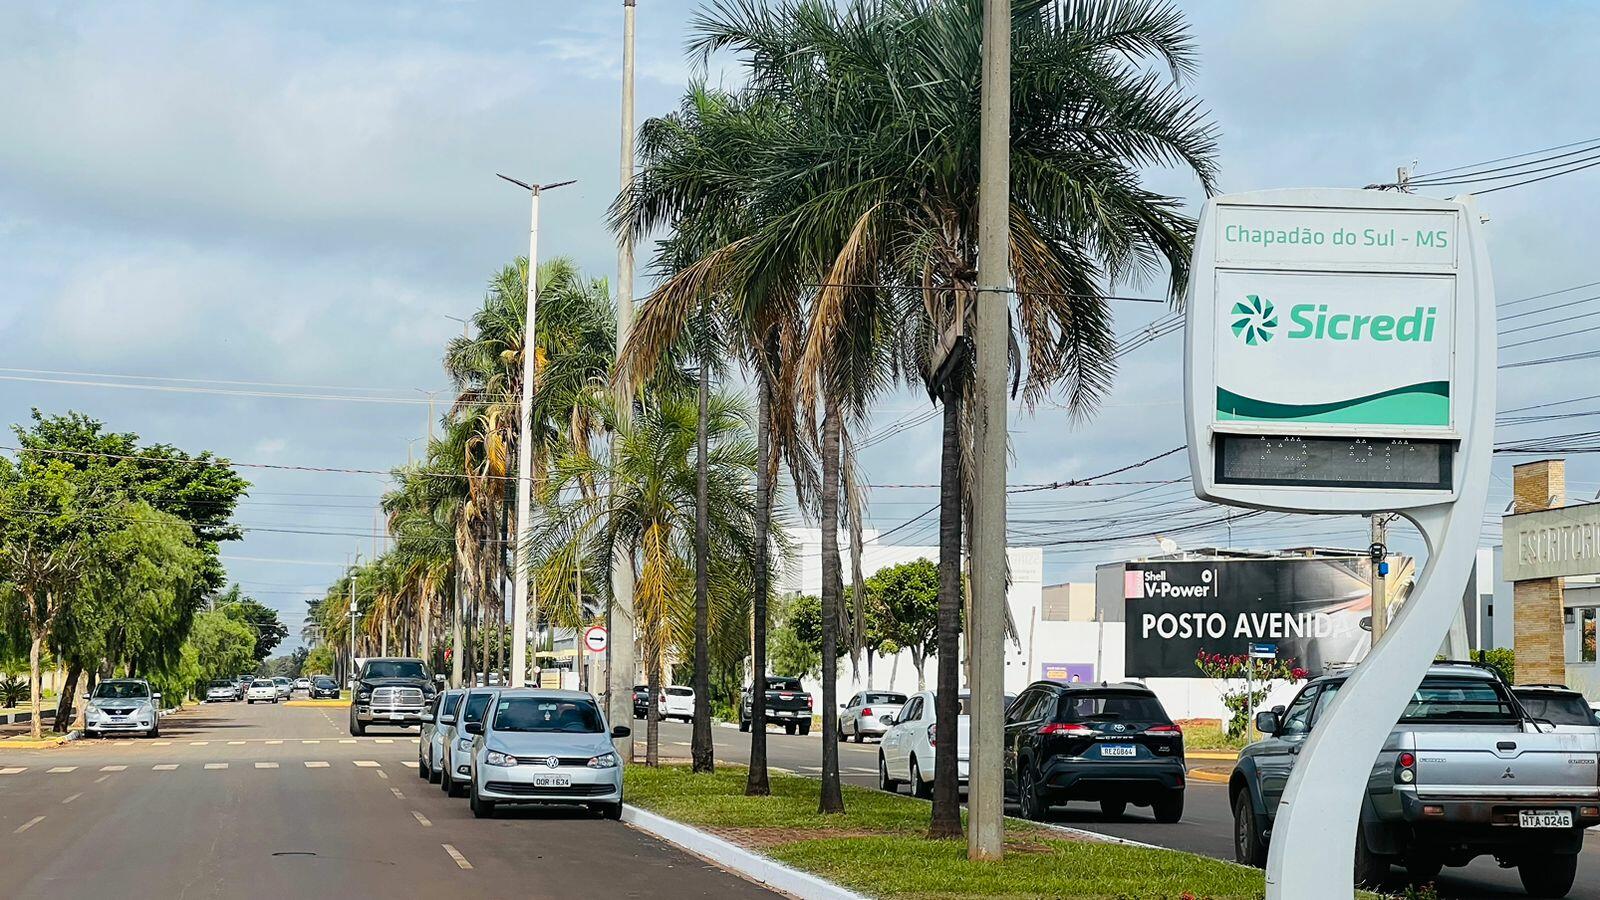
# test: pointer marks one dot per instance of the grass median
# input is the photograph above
(878, 847)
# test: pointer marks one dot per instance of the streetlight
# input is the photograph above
(519, 578)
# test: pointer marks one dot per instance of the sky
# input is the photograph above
(230, 200)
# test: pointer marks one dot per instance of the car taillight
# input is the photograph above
(808, 701)
(1067, 730)
(1163, 729)
(1405, 771)
(867, 712)
(932, 737)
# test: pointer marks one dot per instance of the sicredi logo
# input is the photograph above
(1255, 322)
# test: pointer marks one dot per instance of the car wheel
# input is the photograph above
(444, 776)
(1371, 869)
(859, 737)
(788, 729)
(251, 702)
(612, 811)
(1548, 875)
(422, 769)
(154, 732)
(840, 732)
(457, 789)
(1028, 795)
(90, 733)
(1423, 869)
(919, 788)
(357, 729)
(1113, 809)
(1248, 848)
(1169, 809)
(481, 808)
(744, 725)
(885, 783)
(805, 728)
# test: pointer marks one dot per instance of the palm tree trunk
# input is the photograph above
(832, 799)
(652, 715)
(946, 820)
(756, 782)
(700, 741)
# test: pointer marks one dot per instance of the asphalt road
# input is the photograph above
(1207, 826)
(237, 801)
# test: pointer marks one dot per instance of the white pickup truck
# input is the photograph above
(1465, 773)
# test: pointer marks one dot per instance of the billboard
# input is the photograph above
(1312, 608)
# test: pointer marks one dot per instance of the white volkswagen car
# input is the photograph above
(867, 713)
(262, 689)
(905, 755)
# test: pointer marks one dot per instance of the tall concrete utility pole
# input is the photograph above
(620, 664)
(519, 572)
(986, 628)
(1379, 552)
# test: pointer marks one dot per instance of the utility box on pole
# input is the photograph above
(1340, 358)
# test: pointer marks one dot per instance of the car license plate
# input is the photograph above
(785, 712)
(395, 715)
(1545, 818)
(1116, 750)
(552, 781)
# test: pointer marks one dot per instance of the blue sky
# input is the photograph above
(301, 194)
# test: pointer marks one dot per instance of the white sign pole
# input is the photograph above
(1315, 384)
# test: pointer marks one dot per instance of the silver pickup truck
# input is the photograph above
(1466, 772)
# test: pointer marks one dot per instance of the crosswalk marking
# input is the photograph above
(60, 770)
(216, 765)
(13, 770)
(113, 768)
(366, 763)
(266, 765)
(164, 767)
(316, 764)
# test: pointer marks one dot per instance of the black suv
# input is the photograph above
(641, 700)
(1108, 742)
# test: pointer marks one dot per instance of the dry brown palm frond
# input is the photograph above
(664, 315)
(850, 267)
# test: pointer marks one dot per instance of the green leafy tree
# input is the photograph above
(223, 647)
(906, 599)
(790, 653)
(262, 619)
(318, 661)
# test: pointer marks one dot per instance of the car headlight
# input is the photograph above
(464, 745)
(496, 758)
(603, 761)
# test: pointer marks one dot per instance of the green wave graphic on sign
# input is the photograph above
(1427, 403)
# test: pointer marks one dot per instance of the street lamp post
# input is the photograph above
(519, 575)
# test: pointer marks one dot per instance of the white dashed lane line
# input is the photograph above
(316, 764)
(66, 800)
(61, 770)
(396, 792)
(37, 819)
(367, 763)
(164, 767)
(266, 765)
(113, 768)
(216, 765)
(456, 855)
(421, 819)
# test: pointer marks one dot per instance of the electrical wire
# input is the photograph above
(1489, 162)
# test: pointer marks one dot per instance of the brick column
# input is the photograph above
(1537, 604)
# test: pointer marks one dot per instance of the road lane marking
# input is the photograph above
(347, 741)
(384, 775)
(456, 855)
(198, 743)
(274, 742)
(383, 740)
(366, 763)
(60, 770)
(421, 819)
(37, 819)
(310, 742)
(396, 792)
(113, 768)
(316, 764)
(216, 765)
(164, 767)
(266, 765)
(13, 770)
(409, 763)
(161, 744)
(234, 743)
(101, 778)
(72, 798)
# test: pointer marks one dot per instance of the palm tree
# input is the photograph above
(649, 514)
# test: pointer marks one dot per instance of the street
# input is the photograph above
(280, 802)
(1207, 826)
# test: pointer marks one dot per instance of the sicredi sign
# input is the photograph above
(1325, 348)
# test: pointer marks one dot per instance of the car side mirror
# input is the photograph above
(447, 720)
(844, 706)
(439, 678)
(156, 696)
(474, 728)
(621, 731)
(1267, 722)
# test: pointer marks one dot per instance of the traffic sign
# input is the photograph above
(595, 639)
(1263, 651)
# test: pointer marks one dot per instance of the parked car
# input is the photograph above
(302, 684)
(262, 689)
(868, 714)
(431, 736)
(641, 700)
(1466, 772)
(458, 743)
(390, 691)
(1559, 705)
(678, 703)
(324, 688)
(906, 750)
(539, 746)
(123, 704)
(787, 704)
(1112, 743)
(284, 686)
(222, 690)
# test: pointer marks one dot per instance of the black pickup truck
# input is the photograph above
(788, 705)
(390, 691)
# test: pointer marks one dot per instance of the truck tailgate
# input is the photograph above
(1504, 763)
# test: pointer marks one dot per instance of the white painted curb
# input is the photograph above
(752, 865)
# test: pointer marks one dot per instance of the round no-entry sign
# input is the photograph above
(595, 639)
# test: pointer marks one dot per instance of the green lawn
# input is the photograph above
(877, 847)
(1210, 737)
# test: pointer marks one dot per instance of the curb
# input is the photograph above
(1212, 754)
(731, 856)
(1207, 777)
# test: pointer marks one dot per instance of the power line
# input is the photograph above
(1502, 187)
(1522, 169)
(1489, 162)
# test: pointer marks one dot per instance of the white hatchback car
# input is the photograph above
(867, 714)
(678, 703)
(262, 689)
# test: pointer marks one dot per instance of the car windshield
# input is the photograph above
(783, 684)
(394, 668)
(1562, 709)
(121, 690)
(870, 699)
(545, 714)
(323, 682)
(476, 704)
(1110, 706)
(222, 684)
(679, 692)
(1459, 700)
(261, 683)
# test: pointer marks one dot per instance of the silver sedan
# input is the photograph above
(537, 746)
